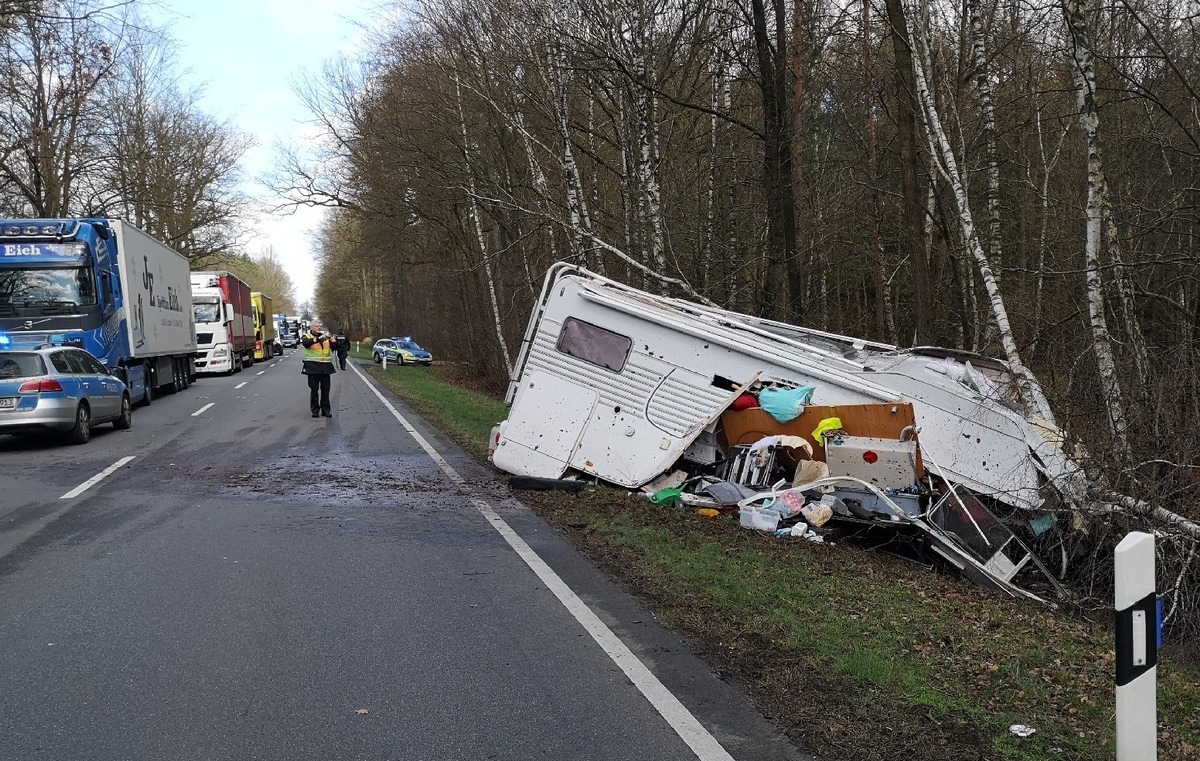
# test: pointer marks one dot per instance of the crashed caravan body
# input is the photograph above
(620, 384)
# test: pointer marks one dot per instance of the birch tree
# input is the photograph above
(1083, 72)
(947, 166)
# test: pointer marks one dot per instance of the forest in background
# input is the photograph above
(94, 121)
(1012, 177)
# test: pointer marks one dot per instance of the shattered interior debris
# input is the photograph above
(800, 432)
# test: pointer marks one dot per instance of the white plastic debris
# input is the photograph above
(1021, 730)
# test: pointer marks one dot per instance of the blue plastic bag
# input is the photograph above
(785, 404)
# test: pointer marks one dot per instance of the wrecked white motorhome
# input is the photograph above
(624, 386)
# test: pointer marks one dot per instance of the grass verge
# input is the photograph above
(858, 655)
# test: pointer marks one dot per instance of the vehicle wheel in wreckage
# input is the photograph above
(124, 422)
(82, 431)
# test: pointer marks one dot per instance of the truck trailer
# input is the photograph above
(224, 322)
(266, 339)
(105, 286)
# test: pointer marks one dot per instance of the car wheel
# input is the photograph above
(378, 358)
(83, 425)
(126, 419)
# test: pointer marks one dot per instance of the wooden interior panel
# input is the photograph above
(881, 421)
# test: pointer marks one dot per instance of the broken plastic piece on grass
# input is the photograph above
(825, 426)
(1021, 730)
(708, 512)
(666, 496)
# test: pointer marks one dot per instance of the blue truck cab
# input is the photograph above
(105, 287)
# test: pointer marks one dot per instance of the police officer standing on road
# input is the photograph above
(318, 366)
(343, 349)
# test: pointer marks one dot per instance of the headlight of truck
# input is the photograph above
(220, 353)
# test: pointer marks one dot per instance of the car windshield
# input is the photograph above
(35, 286)
(21, 365)
(410, 346)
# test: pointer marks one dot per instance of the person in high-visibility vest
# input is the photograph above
(318, 366)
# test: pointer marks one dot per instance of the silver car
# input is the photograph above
(59, 389)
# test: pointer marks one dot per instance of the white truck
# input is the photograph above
(224, 313)
(105, 286)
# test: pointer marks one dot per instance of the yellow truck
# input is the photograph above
(266, 340)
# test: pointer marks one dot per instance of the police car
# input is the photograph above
(401, 351)
(58, 389)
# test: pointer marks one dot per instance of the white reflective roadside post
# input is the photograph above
(1135, 601)
(385, 362)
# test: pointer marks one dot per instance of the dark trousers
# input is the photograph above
(318, 383)
(342, 360)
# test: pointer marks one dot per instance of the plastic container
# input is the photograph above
(759, 518)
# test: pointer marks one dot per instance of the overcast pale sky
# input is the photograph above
(246, 54)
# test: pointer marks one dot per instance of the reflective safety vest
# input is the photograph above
(319, 351)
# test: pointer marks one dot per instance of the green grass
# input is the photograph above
(836, 641)
(466, 416)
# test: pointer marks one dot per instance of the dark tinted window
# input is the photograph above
(61, 362)
(90, 364)
(594, 344)
(21, 366)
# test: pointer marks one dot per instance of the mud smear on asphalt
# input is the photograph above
(348, 480)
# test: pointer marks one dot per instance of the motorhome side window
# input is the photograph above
(594, 344)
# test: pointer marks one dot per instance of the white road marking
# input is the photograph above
(260, 372)
(200, 411)
(96, 478)
(690, 730)
(235, 388)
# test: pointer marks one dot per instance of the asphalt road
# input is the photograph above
(257, 584)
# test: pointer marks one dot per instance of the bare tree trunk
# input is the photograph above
(478, 225)
(580, 223)
(906, 123)
(1084, 74)
(647, 155)
(882, 310)
(987, 113)
(772, 54)
(1048, 163)
(948, 167)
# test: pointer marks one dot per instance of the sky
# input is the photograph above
(245, 55)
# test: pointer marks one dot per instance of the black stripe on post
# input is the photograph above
(1126, 671)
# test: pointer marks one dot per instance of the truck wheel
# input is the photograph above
(148, 397)
(83, 425)
(126, 419)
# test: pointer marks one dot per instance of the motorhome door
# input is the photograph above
(539, 441)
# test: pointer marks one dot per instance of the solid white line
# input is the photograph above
(200, 411)
(235, 388)
(96, 478)
(689, 729)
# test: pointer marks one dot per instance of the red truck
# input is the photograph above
(224, 322)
